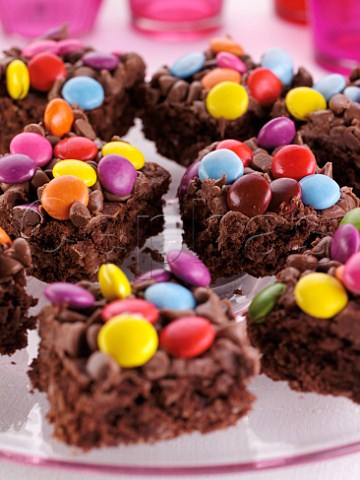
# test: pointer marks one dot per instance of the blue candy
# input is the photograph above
(319, 191)
(330, 85)
(86, 92)
(353, 93)
(187, 65)
(170, 295)
(221, 162)
(280, 63)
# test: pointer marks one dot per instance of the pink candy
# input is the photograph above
(33, 145)
(228, 60)
(49, 46)
(70, 45)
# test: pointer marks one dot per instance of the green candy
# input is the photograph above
(353, 217)
(264, 301)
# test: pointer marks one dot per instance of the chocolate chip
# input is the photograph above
(82, 127)
(39, 179)
(9, 267)
(79, 215)
(302, 262)
(99, 365)
(35, 128)
(71, 338)
(178, 91)
(96, 201)
(158, 366)
(165, 83)
(262, 161)
(92, 334)
(194, 92)
(21, 251)
(339, 103)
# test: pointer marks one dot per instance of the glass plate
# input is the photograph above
(284, 428)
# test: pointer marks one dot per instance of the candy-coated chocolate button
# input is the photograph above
(285, 192)
(227, 100)
(40, 46)
(80, 148)
(242, 151)
(229, 60)
(85, 92)
(133, 306)
(58, 117)
(188, 65)
(45, 69)
(113, 282)
(276, 133)
(72, 295)
(330, 85)
(221, 162)
(339, 273)
(117, 174)
(69, 45)
(226, 44)
(130, 340)
(100, 60)
(293, 161)
(170, 295)
(16, 168)
(188, 268)
(264, 301)
(250, 195)
(190, 173)
(264, 86)
(346, 242)
(351, 274)
(34, 145)
(4, 237)
(60, 193)
(17, 80)
(353, 93)
(320, 295)
(131, 153)
(301, 101)
(78, 169)
(218, 75)
(352, 217)
(187, 337)
(319, 191)
(280, 63)
(157, 275)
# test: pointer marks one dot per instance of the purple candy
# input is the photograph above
(101, 61)
(190, 173)
(345, 243)
(70, 45)
(188, 268)
(34, 145)
(117, 174)
(158, 275)
(276, 133)
(74, 296)
(16, 168)
(229, 60)
(41, 46)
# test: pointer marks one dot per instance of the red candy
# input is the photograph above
(187, 337)
(264, 86)
(250, 195)
(293, 161)
(44, 69)
(133, 306)
(79, 148)
(285, 192)
(242, 151)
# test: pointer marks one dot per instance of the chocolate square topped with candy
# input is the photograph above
(124, 363)
(247, 206)
(107, 86)
(78, 200)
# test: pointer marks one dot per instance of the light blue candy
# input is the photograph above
(187, 65)
(86, 92)
(221, 162)
(319, 191)
(280, 63)
(353, 93)
(170, 295)
(330, 85)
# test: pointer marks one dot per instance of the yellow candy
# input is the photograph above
(113, 282)
(227, 100)
(320, 295)
(76, 168)
(127, 151)
(17, 80)
(302, 101)
(132, 341)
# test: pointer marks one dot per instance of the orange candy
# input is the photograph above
(339, 273)
(4, 237)
(225, 44)
(60, 193)
(58, 117)
(219, 75)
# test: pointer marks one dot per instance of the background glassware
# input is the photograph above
(292, 10)
(176, 19)
(336, 33)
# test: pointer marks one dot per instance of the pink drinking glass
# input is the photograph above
(31, 18)
(176, 19)
(336, 31)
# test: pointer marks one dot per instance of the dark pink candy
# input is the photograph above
(16, 168)
(158, 275)
(69, 45)
(101, 61)
(285, 192)
(73, 295)
(276, 133)
(188, 268)
(345, 243)
(351, 274)
(191, 172)
(49, 46)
